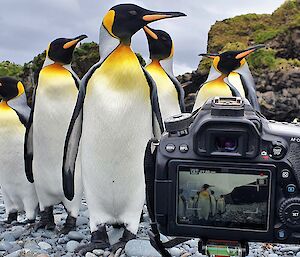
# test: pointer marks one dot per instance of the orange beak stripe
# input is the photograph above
(155, 17)
(244, 54)
(70, 44)
(150, 33)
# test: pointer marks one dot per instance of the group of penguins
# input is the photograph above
(90, 135)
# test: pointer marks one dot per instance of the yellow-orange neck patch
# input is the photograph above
(215, 63)
(108, 21)
(20, 88)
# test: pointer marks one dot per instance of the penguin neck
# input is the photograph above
(155, 62)
(4, 105)
(107, 43)
(221, 78)
(49, 62)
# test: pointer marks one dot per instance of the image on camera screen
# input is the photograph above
(224, 198)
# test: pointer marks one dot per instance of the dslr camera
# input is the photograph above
(227, 173)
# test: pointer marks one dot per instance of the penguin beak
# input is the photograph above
(250, 50)
(74, 41)
(150, 32)
(155, 16)
(212, 56)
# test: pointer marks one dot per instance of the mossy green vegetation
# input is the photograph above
(10, 69)
(239, 32)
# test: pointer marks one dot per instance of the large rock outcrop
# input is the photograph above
(276, 69)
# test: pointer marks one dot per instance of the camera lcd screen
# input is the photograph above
(223, 198)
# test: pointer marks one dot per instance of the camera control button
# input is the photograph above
(289, 212)
(285, 174)
(170, 148)
(183, 148)
(281, 234)
(291, 188)
(278, 151)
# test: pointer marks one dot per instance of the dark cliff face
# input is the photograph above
(276, 69)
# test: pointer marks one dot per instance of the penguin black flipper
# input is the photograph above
(156, 117)
(71, 145)
(180, 92)
(19, 105)
(28, 143)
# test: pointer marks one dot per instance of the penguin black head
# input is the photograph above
(61, 50)
(231, 60)
(160, 44)
(124, 20)
(10, 88)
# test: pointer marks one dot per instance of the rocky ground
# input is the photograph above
(23, 241)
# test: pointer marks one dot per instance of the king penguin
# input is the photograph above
(229, 76)
(114, 119)
(170, 92)
(53, 103)
(18, 193)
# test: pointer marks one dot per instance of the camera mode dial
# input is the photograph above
(289, 212)
(179, 123)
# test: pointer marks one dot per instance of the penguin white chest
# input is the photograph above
(54, 103)
(117, 123)
(167, 93)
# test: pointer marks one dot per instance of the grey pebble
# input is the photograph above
(140, 248)
(74, 235)
(71, 246)
(98, 252)
(15, 247)
(5, 246)
(44, 246)
(8, 237)
(291, 248)
(90, 255)
(175, 251)
(273, 255)
(32, 245)
(106, 253)
(17, 253)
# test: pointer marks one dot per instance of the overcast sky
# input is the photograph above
(27, 26)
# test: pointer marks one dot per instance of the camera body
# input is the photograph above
(227, 173)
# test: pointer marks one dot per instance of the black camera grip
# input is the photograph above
(294, 158)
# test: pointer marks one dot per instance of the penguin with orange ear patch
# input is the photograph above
(54, 99)
(115, 115)
(170, 93)
(18, 193)
(229, 76)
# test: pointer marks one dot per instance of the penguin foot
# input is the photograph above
(127, 236)
(12, 217)
(69, 225)
(47, 220)
(99, 240)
